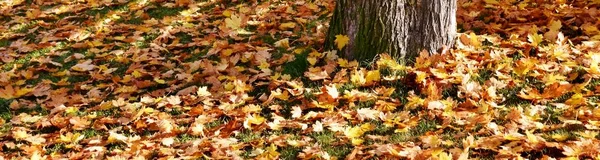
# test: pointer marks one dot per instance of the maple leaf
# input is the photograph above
(233, 22)
(116, 137)
(71, 138)
(366, 113)
(341, 41)
(36, 140)
(354, 133)
(414, 102)
(316, 74)
(553, 78)
(84, 66)
(312, 60)
(288, 25)
(553, 30)
(524, 66)
(203, 91)
(270, 153)
(474, 40)
(372, 77)
(253, 120)
(576, 100)
(332, 91)
(79, 123)
(535, 39)
(167, 141)
(318, 126)
(284, 43)
(20, 134)
(494, 2)
(10, 92)
(296, 112)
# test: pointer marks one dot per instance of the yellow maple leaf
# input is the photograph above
(22, 91)
(474, 40)
(71, 138)
(414, 101)
(270, 152)
(444, 156)
(226, 52)
(20, 134)
(341, 41)
(524, 66)
(535, 39)
(159, 81)
(555, 25)
(372, 77)
(492, 2)
(594, 69)
(353, 132)
(560, 136)
(312, 60)
(358, 77)
(553, 30)
(288, 25)
(553, 78)
(531, 138)
(284, 43)
(576, 100)
(227, 13)
(233, 22)
(590, 29)
(253, 120)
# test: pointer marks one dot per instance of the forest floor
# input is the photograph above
(204, 79)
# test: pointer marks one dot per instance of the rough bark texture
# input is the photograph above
(402, 28)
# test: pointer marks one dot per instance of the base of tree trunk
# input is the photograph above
(402, 28)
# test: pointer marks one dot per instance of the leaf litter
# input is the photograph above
(208, 79)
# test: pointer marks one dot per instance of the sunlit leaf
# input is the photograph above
(341, 41)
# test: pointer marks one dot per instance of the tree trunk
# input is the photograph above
(402, 28)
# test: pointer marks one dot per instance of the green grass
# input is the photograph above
(247, 136)
(289, 153)
(217, 122)
(104, 10)
(324, 138)
(511, 95)
(5, 108)
(484, 75)
(329, 143)
(413, 134)
(42, 76)
(6, 115)
(365, 104)
(73, 79)
(182, 138)
(57, 148)
(5, 42)
(37, 110)
(297, 67)
(26, 60)
(89, 133)
(112, 112)
(121, 67)
(184, 38)
(340, 151)
(161, 12)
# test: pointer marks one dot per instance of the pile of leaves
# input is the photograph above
(248, 79)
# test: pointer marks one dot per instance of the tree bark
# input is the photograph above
(402, 28)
